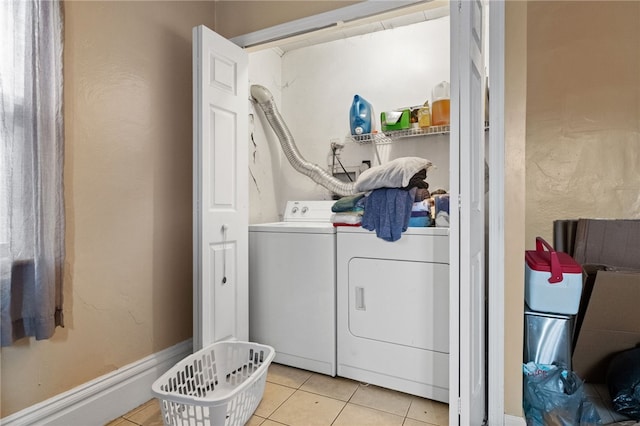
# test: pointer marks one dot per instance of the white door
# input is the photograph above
(468, 380)
(220, 189)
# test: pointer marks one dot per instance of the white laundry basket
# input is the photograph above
(220, 385)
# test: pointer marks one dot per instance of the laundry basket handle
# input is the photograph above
(556, 269)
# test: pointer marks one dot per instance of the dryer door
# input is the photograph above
(405, 303)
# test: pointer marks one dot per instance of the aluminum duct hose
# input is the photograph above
(264, 99)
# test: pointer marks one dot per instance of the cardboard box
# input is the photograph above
(610, 242)
(611, 323)
(588, 279)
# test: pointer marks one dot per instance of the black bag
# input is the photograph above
(623, 379)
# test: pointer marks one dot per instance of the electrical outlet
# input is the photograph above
(336, 144)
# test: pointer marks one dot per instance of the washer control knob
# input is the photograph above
(294, 210)
(305, 209)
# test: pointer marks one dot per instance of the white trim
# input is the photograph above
(197, 180)
(495, 329)
(514, 421)
(106, 398)
(319, 21)
(455, 402)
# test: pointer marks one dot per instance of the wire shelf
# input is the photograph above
(390, 136)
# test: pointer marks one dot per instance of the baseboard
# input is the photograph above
(105, 398)
(514, 421)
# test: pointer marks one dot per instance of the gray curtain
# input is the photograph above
(31, 187)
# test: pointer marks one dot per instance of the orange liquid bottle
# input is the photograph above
(440, 108)
(440, 113)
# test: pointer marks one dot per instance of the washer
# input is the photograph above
(292, 286)
(393, 310)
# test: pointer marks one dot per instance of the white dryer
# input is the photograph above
(393, 310)
(292, 286)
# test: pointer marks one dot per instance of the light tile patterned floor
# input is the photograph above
(296, 397)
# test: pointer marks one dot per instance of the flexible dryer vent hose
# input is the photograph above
(264, 99)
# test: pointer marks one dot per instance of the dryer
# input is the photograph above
(393, 310)
(292, 286)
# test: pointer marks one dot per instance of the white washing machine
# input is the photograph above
(393, 310)
(292, 286)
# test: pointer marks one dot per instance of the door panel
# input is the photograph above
(224, 315)
(220, 181)
(467, 270)
(221, 160)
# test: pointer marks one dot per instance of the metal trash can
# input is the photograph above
(547, 338)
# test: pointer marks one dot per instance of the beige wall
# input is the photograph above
(514, 220)
(128, 269)
(583, 113)
(234, 18)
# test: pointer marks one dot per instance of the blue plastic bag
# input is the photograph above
(555, 396)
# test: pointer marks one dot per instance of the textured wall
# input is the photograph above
(128, 270)
(265, 154)
(234, 18)
(515, 96)
(583, 113)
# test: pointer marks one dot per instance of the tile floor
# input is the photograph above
(296, 397)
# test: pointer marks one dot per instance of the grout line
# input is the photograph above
(281, 404)
(308, 378)
(340, 412)
(274, 421)
(127, 422)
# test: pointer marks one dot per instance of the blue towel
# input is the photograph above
(387, 211)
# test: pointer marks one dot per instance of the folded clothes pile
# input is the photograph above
(348, 211)
(441, 207)
(390, 209)
(420, 214)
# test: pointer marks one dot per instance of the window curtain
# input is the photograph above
(31, 187)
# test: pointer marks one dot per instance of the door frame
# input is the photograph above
(496, 305)
(495, 361)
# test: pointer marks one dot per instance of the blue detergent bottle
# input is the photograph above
(360, 115)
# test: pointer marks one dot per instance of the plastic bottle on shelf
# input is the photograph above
(424, 116)
(361, 116)
(440, 113)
